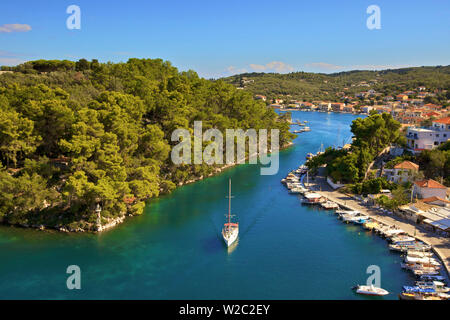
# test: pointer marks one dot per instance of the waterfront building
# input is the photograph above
(366, 109)
(429, 188)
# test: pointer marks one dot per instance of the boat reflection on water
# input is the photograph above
(232, 246)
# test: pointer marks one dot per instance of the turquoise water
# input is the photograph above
(175, 251)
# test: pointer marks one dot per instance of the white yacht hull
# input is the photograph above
(371, 291)
(231, 236)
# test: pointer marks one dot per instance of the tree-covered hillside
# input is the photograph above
(318, 86)
(75, 136)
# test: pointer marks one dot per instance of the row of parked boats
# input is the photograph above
(418, 258)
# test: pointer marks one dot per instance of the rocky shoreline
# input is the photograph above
(118, 220)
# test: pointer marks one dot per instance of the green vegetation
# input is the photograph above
(371, 186)
(75, 135)
(313, 86)
(371, 136)
(434, 164)
(398, 198)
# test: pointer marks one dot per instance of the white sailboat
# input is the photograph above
(230, 230)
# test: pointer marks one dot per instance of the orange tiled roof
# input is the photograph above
(443, 120)
(407, 165)
(430, 183)
(434, 198)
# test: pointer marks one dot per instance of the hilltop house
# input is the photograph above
(441, 124)
(278, 101)
(260, 97)
(402, 97)
(429, 188)
(402, 172)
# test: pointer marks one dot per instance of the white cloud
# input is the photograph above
(234, 70)
(378, 67)
(274, 66)
(324, 66)
(10, 61)
(15, 27)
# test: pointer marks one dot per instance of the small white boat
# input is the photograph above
(393, 232)
(342, 213)
(419, 254)
(329, 205)
(296, 190)
(402, 239)
(371, 290)
(426, 260)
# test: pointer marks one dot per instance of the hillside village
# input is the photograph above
(411, 179)
(409, 108)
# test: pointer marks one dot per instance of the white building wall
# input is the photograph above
(429, 192)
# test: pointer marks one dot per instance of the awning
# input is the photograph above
(443, 224)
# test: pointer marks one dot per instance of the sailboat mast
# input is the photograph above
(229, 204)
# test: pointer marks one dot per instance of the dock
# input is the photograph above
(440, 245)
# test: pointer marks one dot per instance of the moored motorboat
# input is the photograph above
(437, 286)
(404, 247)
(402, 239)
(393, 232)
(371, 290)
(313, 198)
(419, 254)
(432, 278)
(427, 260)
(329, 205)
(341, 213)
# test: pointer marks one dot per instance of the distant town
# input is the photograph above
(426, 125)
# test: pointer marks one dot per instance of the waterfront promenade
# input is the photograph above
(441, 245)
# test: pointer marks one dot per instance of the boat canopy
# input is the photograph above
(312, 195)
(417, 289)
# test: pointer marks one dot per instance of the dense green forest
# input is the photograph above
(318, 86)
(78, 135)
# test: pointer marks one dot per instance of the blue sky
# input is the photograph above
(219, 38)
